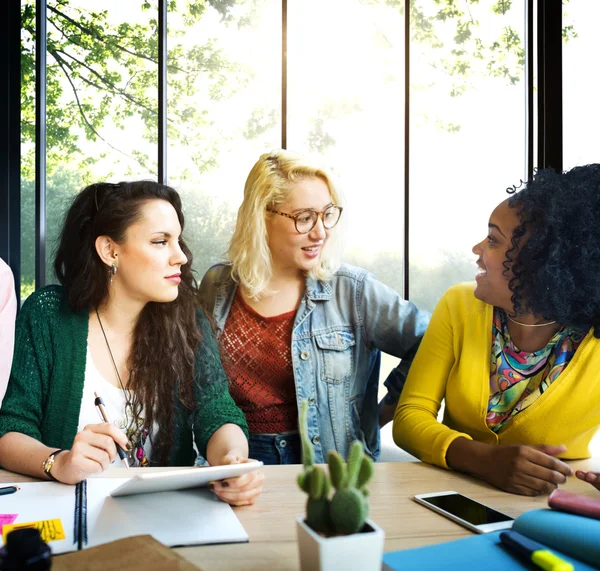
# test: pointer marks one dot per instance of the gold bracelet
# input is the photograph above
(49, 462)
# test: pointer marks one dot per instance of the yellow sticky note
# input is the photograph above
(50, 529)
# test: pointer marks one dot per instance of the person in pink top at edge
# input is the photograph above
(8, 313)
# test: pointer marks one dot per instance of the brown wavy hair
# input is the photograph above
(166, 335)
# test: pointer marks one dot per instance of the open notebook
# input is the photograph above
(75, 517)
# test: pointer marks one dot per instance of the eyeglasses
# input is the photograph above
(306, 220)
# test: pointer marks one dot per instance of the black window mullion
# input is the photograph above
(10, 141)
(406, 256)
(550, 129)
(40, 143)
(284, 73)
(529, 96)
(162, 91)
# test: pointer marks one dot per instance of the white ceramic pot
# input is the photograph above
(357, 552)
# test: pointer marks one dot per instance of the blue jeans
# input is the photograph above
(276, 448)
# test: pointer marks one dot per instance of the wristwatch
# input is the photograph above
(49, 462)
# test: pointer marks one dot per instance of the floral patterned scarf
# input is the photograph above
(518, 378)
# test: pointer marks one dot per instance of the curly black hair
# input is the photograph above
(555, 254)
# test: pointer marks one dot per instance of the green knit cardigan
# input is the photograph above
(43, 398)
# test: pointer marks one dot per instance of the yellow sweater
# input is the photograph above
(453, 363)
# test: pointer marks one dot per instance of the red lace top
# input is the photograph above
(257, 358)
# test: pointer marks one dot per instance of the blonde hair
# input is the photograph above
(268, 185)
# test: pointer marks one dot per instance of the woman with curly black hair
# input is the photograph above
(516, 356)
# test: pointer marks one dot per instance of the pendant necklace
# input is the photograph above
(128, 404)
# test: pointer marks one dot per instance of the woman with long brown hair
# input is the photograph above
(122, 324)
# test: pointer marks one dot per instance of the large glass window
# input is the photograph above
(224, 111)
(581, 88)
(467, 133)
(101, 106)
(581, 83)
(345, 102)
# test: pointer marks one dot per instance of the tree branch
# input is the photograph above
(99, 36)
(84, 117)
(96, 35)
(112, 87)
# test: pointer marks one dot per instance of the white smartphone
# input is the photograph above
(466, 511)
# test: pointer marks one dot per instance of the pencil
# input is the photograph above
(9, 490)
(100, 406)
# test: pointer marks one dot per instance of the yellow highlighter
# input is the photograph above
(534, 552)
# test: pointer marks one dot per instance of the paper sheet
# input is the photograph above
(185, 517)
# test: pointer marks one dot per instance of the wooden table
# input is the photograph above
(271, 522)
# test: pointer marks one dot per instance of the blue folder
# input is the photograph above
(574, 538)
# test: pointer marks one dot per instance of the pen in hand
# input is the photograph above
(9, 490)
(100, 406)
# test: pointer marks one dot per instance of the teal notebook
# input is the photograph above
(574, 538)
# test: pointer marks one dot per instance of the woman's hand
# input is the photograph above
(92, 452)
(527, 470)
(591, 477)
(516, 468)
(242, 490)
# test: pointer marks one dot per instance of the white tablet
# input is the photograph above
(149, 482)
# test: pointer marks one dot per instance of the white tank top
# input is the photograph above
(115, 403)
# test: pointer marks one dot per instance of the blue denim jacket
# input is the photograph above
(339, 330)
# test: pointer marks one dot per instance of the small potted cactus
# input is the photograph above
(335, 533)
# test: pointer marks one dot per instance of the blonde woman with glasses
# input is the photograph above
(294, 324)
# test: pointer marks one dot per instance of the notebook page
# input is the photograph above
(183, 517)
(44, 501)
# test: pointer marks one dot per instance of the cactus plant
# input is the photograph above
(347, 510)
